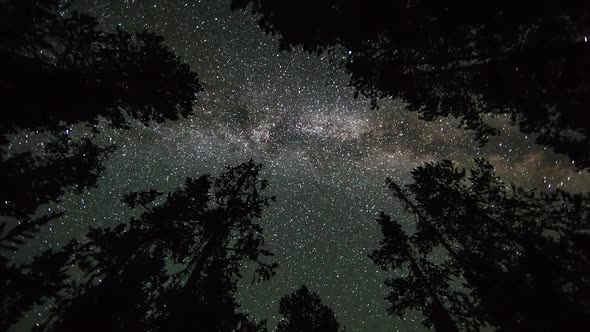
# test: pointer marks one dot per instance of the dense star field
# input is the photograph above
(325, 154)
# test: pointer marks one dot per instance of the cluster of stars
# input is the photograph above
(326, 155)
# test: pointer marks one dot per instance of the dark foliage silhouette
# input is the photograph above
(32, 180)
(175, 267)
(76, 72)
(527, 59)
(58, 69)
(25, 285)
(303, 310)
(486, 254)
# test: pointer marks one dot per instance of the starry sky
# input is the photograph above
(325, 154)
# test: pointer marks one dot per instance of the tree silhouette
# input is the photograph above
(484, 254)
(25, 285)
(59, 69)
(174, 268)
(467, 59)
(32, 180)
(77, 72)
(303, 310)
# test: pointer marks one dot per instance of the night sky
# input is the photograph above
(326, 156)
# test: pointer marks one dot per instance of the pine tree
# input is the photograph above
(175, 267)
(486, 254)
(58, 70)
(303, 310)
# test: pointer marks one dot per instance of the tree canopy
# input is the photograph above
(63, 69)
(485, 254)
(481, 254)
(303, 310)
(175, 267)
(59, 69)
(467, 59)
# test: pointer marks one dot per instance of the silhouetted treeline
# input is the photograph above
(176, 266)
(59, 69)
(527, 59)
(486, 254)
(64, 69)
(303, 310)
(480, 255)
